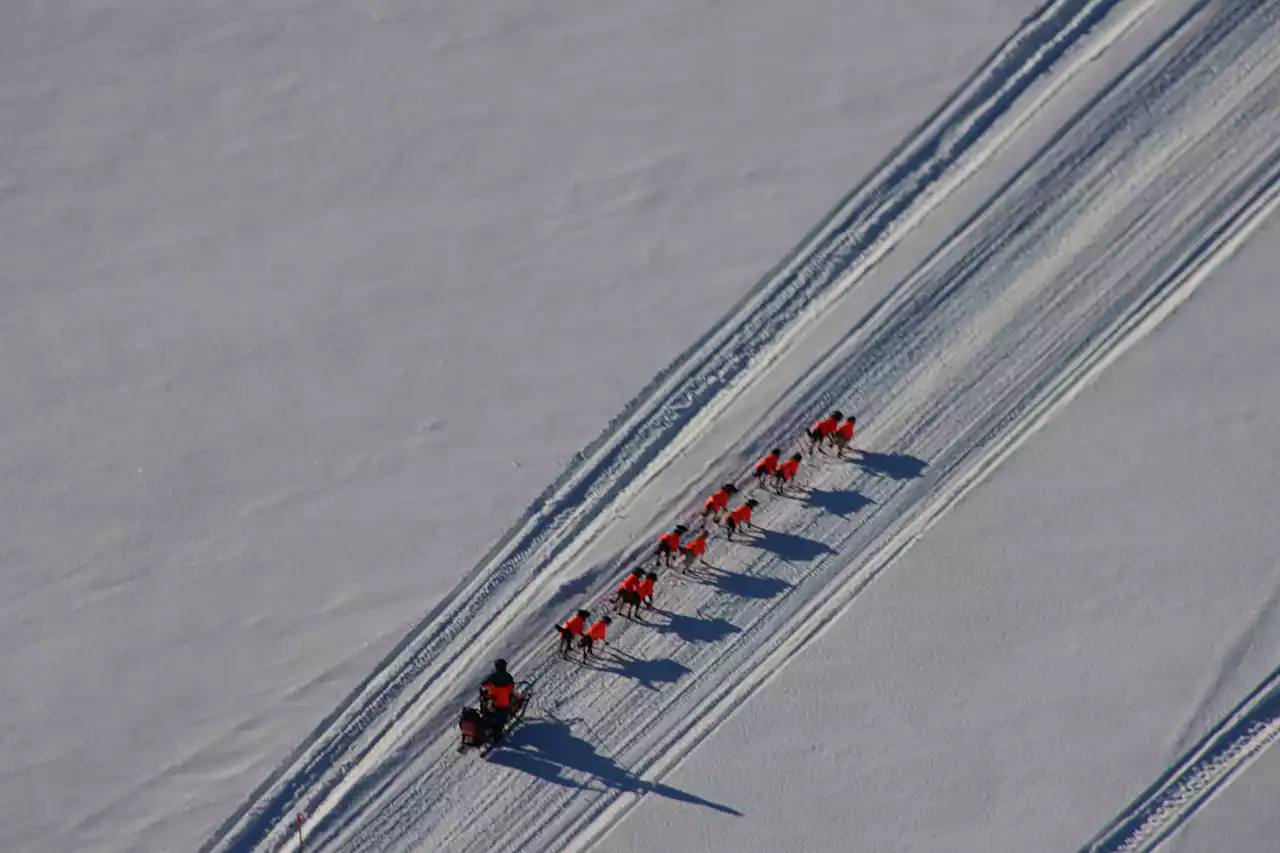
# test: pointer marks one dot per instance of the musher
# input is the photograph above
(497, 692)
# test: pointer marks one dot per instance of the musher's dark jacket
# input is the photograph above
(500, 686)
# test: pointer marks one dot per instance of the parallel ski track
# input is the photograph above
(963, 361)
(960, 366)
(427, 664)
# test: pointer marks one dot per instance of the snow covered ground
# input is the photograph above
(1074, 193)
(305, 302)
(1062, 636)
(1243, 817)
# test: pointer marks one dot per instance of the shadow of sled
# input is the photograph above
(895, 466)
(548, 749)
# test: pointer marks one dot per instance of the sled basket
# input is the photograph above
(471, 723)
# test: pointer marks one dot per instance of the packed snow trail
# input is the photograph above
(1224, 753)
(433, 656)
(1091, 239)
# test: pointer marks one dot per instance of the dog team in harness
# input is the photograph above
(502, 702)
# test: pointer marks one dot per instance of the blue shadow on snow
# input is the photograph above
(648, 673)
(789, 546)
(744, 585)
(895, 466)
(691, 629)
(862, 217)
(548, 749)
(1255, 711)
(841, 503)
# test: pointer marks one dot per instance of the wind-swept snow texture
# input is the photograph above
(1089, 238)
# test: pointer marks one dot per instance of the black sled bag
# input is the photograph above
(471, 723)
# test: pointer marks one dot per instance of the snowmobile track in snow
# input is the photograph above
(1045, 283)
(1235, 743)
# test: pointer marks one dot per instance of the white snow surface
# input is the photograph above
(1053, 213)
(305, 302)
(1063, 635)
(1243, 817)
(1037, 612)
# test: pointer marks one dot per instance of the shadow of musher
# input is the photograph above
(548, 749)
